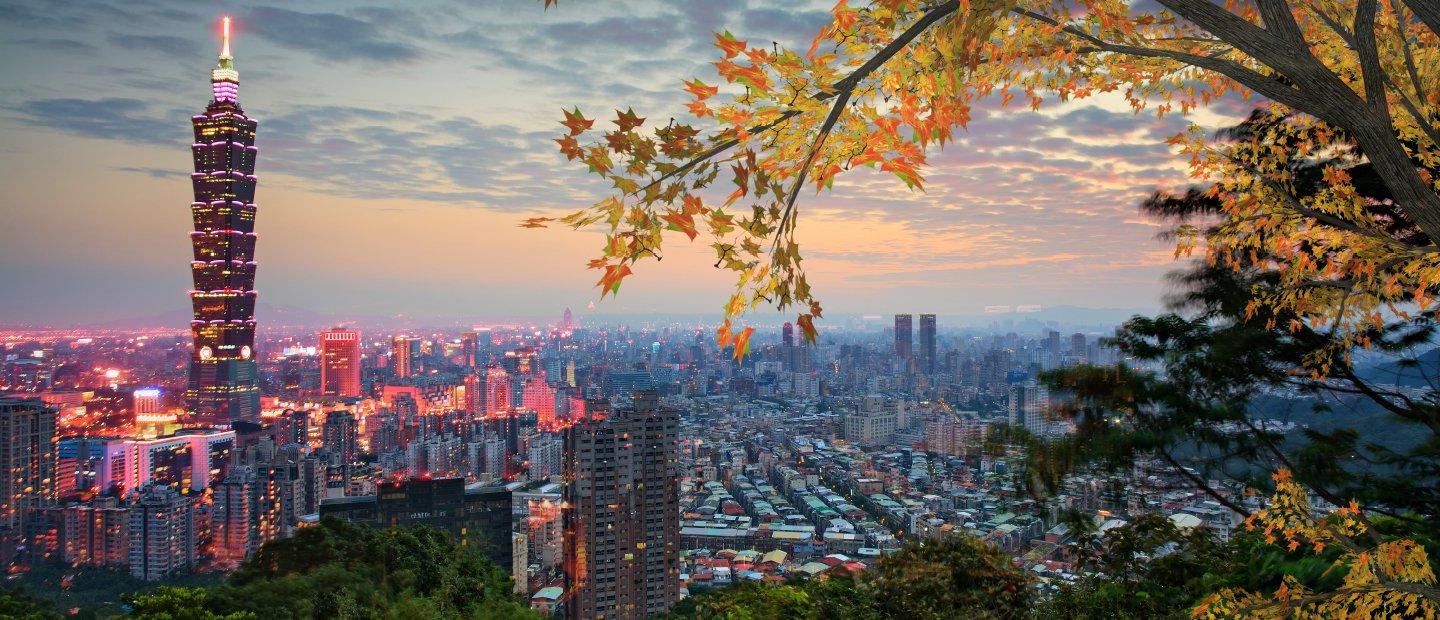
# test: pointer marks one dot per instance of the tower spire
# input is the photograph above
(224, 79)
(225, 38)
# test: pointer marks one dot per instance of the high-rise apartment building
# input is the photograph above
(1028, 407)
(339, 437)
(164, 534)
(224, 382)
(621, 513)
(545, 456)
(96, 533)
(927, 343)
(904, 336)
(27, 458)
(497, 390)
(245, 514)
(340, 362)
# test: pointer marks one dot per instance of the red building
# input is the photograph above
(340, 362)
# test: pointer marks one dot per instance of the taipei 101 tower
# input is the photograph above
(224, 383)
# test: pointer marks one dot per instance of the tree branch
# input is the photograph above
(1428, 11)
(845, 85)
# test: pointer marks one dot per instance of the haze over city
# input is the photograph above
(704, 309)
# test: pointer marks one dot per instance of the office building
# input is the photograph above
(471, 353)
(224, 382)
(872, 421)
(539, 397)
(927, 343)
(904, 336)
(621, 510)
(402, 362)
(146, 402)
(340, 363)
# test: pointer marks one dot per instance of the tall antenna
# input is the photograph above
(225, 37)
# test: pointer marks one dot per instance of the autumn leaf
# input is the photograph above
(700, 89)
(627, 120)
(610, 282)
(742, 343)
(729, 44)
(576, 123)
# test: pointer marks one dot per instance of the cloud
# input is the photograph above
(157, 173)
(111, 118)
(57, 44)
(163, 44)
(329, 36)
(375, 153)
(648, 34)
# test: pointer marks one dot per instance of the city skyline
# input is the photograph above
(450, 169)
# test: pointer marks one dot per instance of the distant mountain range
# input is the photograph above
(1422, 372)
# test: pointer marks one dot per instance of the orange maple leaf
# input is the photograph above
(576, 122)
(729, 44)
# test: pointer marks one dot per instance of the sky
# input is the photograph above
(402, 143)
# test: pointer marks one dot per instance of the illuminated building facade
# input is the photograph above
(470, 351)
(340, 363)
(95, 534)
(622, 511)
(539, 397)
(402, 358)
(246, 513)
(183, 462)
(224, 383)
(27, 458)
(164, 534)
(497, 390)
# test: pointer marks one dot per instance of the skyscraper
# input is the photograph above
(401, 360)
(927, 343)
(904, 336)
(787, 334)
(223, 385)
(497, 390)
(340, 362)
(27, 457)
(469, 349)
(1077, 346)
(622, 512)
